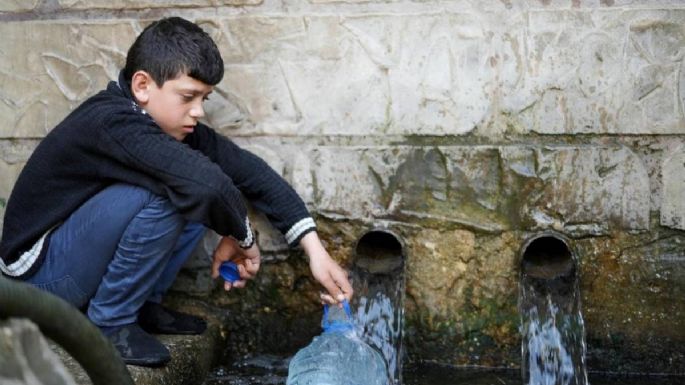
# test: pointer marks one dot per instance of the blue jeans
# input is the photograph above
(121, 248)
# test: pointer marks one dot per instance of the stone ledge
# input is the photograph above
(191, 356)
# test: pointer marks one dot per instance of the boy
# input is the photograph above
(116, 197)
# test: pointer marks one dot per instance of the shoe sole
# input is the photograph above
(146, 361)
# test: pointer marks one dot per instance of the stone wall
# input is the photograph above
(464, 127)
(26, 356)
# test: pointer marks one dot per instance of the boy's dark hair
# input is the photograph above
(170, 47)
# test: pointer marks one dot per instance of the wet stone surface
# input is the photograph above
(272, 370)
(192, 356)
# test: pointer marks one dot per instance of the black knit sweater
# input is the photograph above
(109, 139)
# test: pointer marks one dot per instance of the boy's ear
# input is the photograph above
(141, 82)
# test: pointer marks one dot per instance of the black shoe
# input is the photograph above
(135, 346)
(155, 318)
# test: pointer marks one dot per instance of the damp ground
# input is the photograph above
(273, 370)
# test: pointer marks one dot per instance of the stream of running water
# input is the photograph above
(379, 316)
(553, 333)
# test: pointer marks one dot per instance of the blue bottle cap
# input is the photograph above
(229, 271)
(337, 325)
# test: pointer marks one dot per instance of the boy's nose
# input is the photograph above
(197, 111)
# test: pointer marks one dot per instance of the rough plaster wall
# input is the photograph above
(370, 73)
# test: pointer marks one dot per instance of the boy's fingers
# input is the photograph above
(338, 286)
(215, 268)
(244, 271)
(235, 284)
(251, 267)
(332, 289)
(343, 283)
(326, 298)
(255, 263)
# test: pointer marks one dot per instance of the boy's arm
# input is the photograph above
(272, 195)
(325, 270)
(266, 190)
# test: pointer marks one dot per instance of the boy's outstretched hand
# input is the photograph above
(248, 261)
(325, 270)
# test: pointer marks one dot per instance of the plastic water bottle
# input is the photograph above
(338, 356)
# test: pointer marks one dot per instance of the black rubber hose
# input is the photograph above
(65, 325)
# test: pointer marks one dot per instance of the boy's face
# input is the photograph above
(176, 106)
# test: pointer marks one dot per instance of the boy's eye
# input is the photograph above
(190, 98)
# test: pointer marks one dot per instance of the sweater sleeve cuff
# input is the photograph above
(298, 230)
(249, 237)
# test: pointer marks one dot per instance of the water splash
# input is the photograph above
(553, 348)
(379, 315)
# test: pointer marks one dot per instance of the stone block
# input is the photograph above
(141, 4)
(302, 178)
(26, 357)
(48, 68)
(454, 184)
(552, 72)
(442, 269)
(347, 184)
(578, 189)
(343, 1)
(10, 173)
(606, 186)
(269, 239)
(596, 72)
(654, 73)
(18, 5)
(673, 179)
(355, 75)
(16, 151)
(629, 284)
(192, 355)
(419, 73)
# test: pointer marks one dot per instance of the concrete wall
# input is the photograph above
(464, 127)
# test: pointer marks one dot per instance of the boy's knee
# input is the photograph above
(141, 199)
(136, 195)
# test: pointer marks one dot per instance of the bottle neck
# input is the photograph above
(336, 319)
